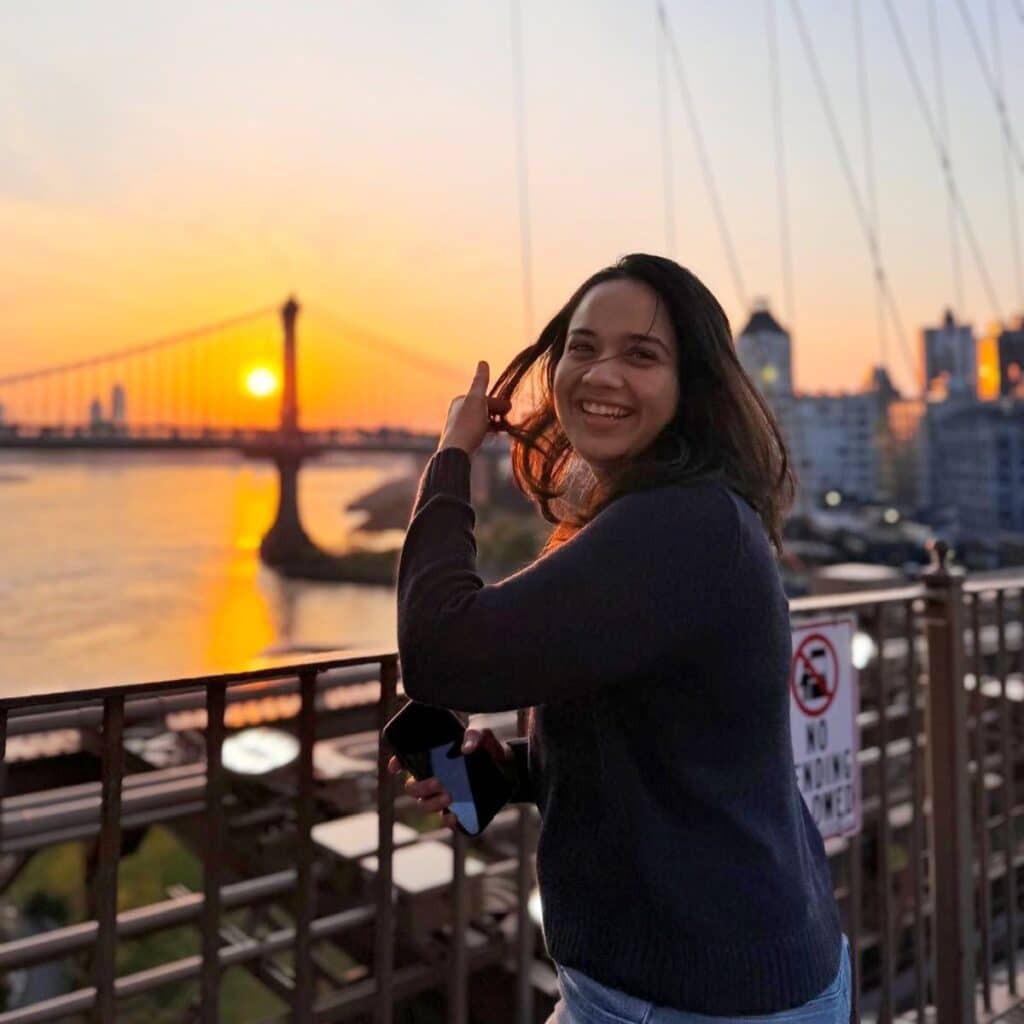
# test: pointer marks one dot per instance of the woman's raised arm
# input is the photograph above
(639, 584)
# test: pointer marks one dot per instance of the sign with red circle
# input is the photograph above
(823, 703)
(814, 675)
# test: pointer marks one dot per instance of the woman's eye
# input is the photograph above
(577, 345)
(644, 353)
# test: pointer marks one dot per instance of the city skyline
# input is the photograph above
(194, 164)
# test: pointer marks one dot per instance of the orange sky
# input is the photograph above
(195, 165)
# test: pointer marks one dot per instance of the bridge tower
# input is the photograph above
(287, 544)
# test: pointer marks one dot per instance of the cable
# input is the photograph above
(780, 167)
(993, 85)
(1011, 191)
(944, 161)
(844, 162)
(940, 98)
(133, 350)
(522, 169)
(667, 173)
(869, 167)
(709, 178)
(369, 338)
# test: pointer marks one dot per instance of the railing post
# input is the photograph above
(112, 771)
(213, 856)
(384, 939)
(524, 882)
(946, 732)
(305, 886)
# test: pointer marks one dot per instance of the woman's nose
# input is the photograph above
(604, 371)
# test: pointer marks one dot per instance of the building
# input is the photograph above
(836, 449)
(950, 358)
(96, 413)
(904, 477)
(831, 438)
(1010, 349)
(977, 468)
(764, 349)
(117, 405)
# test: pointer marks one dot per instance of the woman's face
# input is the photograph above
(616, 384)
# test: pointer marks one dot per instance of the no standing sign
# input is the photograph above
(823, 723)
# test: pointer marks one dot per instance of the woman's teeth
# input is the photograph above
(611, 411)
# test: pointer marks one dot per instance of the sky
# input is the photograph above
(165, 165)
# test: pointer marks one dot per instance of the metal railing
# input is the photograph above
(928, 889)
(121, 802)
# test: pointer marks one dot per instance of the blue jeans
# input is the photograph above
(585, 1001)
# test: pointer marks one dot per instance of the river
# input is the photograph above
(131, 567)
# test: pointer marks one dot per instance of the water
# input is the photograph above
(131, 567)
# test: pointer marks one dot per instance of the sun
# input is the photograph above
(260, 382)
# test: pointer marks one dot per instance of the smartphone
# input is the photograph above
(427, 740)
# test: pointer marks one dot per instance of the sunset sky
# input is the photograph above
(164, 165)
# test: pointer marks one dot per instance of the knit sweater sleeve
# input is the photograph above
(635, 588)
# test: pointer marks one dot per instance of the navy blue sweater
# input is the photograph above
(676, 859)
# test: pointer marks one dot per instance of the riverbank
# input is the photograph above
(509, 536)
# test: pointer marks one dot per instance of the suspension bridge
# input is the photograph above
(182, 393)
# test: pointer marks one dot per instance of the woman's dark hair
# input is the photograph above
(723, 428)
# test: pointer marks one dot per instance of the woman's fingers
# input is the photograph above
(423, 788)
(479, 385)
(394, 765)
(483, 738)
(436, 803)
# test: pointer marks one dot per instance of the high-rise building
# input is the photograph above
(1010, 346)
(978, 466)
(95, 413)
(117, 405)
(904, 479)
(837, 450)
(950, 358)
(764, 349)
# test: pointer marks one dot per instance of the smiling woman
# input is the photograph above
(650, 642)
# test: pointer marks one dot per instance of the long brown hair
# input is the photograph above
(723, 428)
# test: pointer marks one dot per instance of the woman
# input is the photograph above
(681, 875)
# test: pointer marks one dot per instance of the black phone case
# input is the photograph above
(417, 727)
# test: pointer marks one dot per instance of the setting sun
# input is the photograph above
(261, 382)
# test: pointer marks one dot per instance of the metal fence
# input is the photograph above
(928, 888)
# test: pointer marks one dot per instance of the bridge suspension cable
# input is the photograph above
(705, 162)
(522, 169)
(992, 78)
(864, 220)
(869, 167)
(940, 103)
(665, 120)
(377, 342)
(943, 157)
(192, 380)
(135, 350)
(1011, 188)
(780, 166)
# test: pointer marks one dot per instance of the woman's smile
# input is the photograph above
(615, 385)
(602, 414)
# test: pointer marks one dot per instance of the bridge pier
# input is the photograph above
(286, 542)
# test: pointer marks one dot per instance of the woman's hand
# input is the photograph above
(469, 415)
(432, 796)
